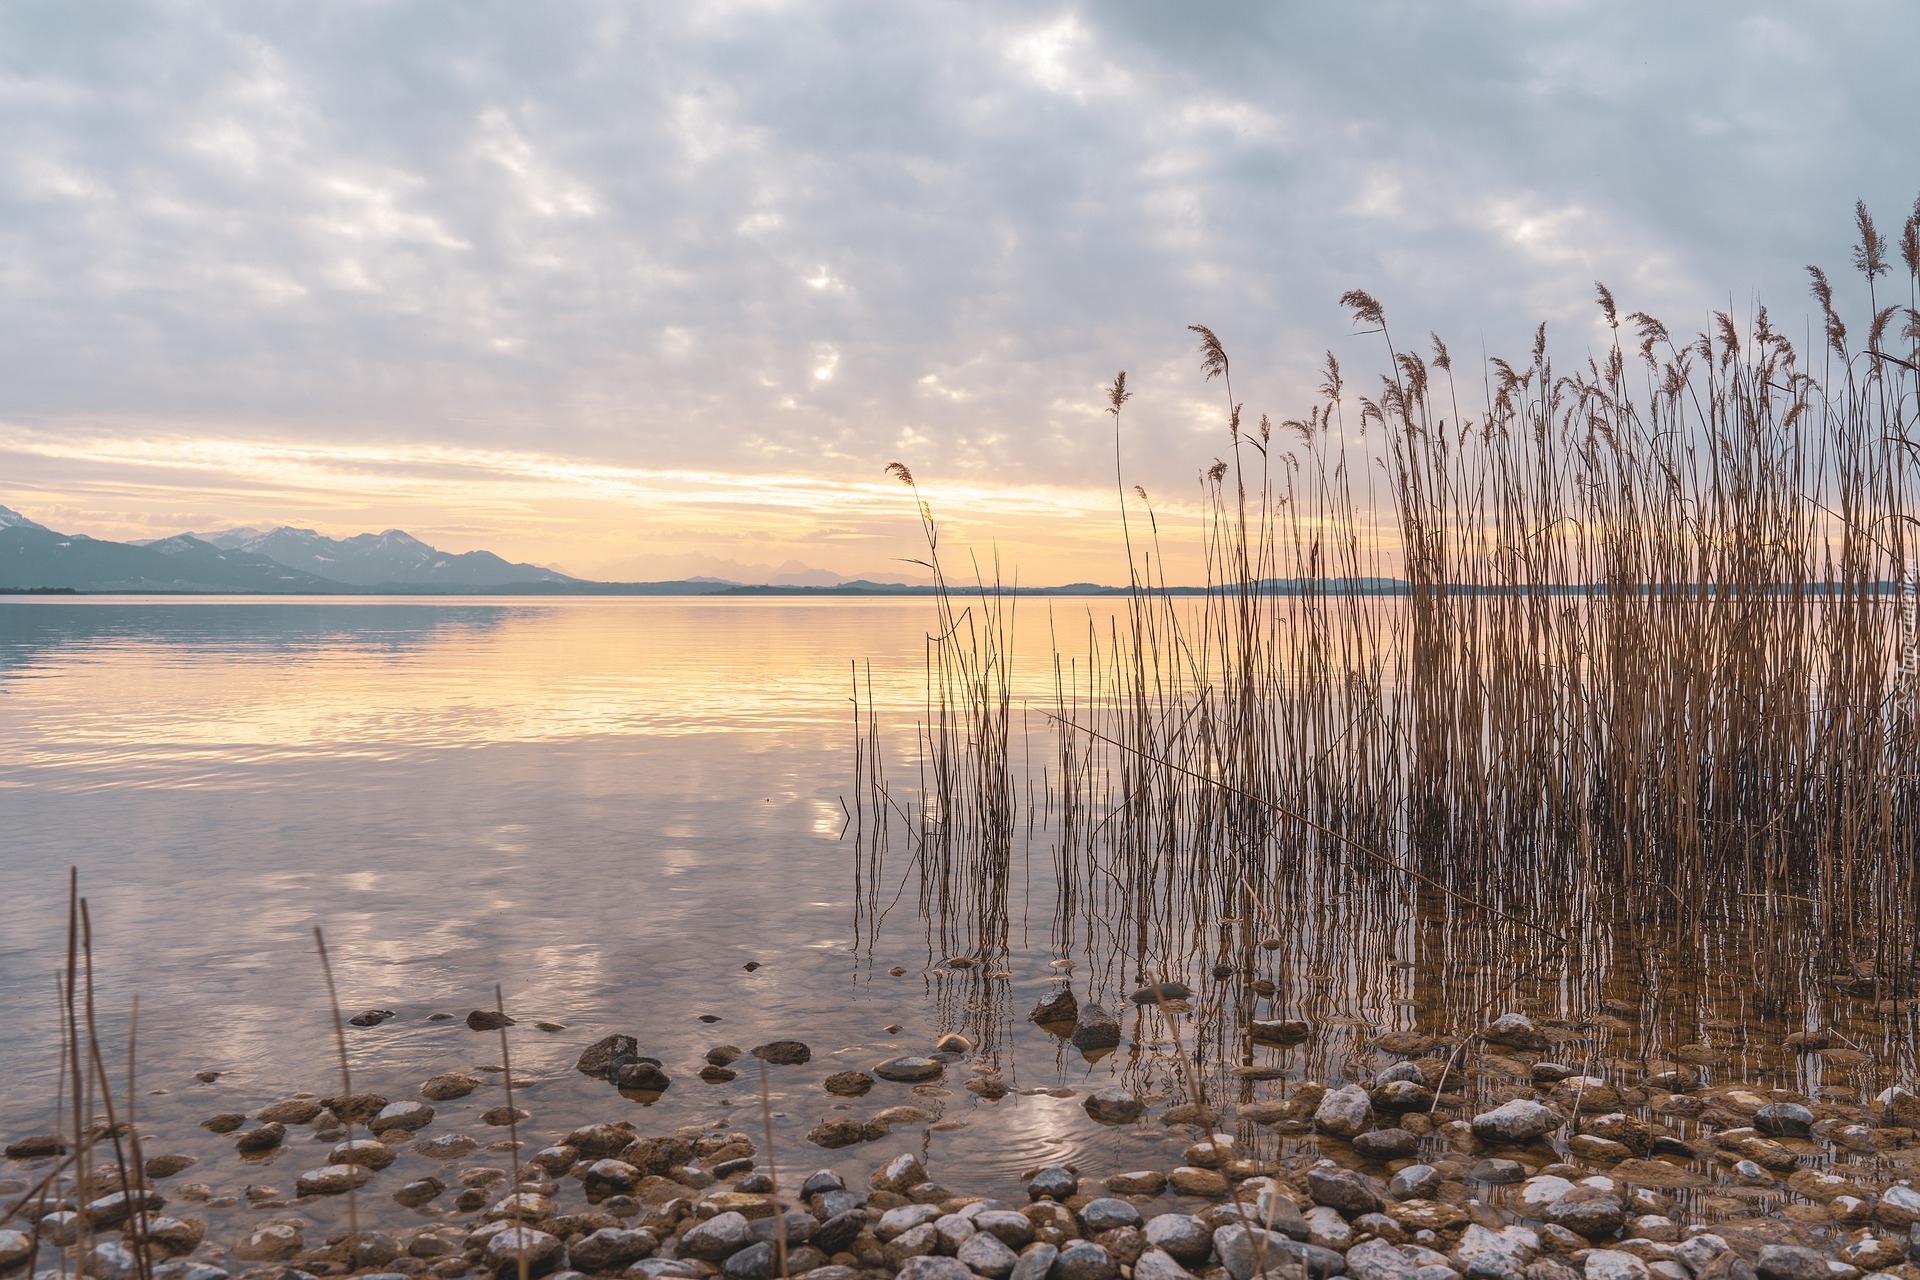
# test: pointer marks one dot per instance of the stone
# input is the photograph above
(1054, 1182)
(1899, 1206)
(112, 1210)
(332, 1180)
(223, 1122)
(606, 1055)
(1589, 1212)
(1191, 1180)
(839, 1230)
(838, 1131)
(1155, 1264)
(895, 1223)
(898, 1174)
(1517, 1244)
(783, 1053)
(611, 1249)
(1515, 1030)
(449, 1146)
(1095, 1029)
(1106, 1213)
(272, 1242)
(353, 1108)
(1182, 1236)
(291, 1111)
(543, 1252)
(1035, 1262)
(188, 1269)
(175, 1236)
(1784, 1120)
(1345, 1191)
(1058, 1010)
(718, 1238)
(370, 1152)
(1084, 1260)
(910, 1069)
(1497, 1172)
(1326, 1228)
(1694, 1254)
(1278, 1030)
(15, 1248)
(1154, 993)
(1386, 1144)
(261, 1138)
(930, 1268)
(1426, 1215)
(643, 1075)
(165, 1166)
(448, 1086)
(1515, 1122)
(916, 1242)
(1727, 1266)
(1114, 1106)
(521, 1206)
(1277, 1212)
(1378, 1260)
(1344, 1112)
(848, 1084)
(420, 1192)
(407, 1116)
(1141, 1182)
(487, 1020)
(1790, 1262)
(1415, 1182)
(987, 1255)
(1537, 1193)
(1612, 1264)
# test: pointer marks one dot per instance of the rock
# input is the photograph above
(755, 1262)
(1095, 1029)
(1611, 1264)
(264, 1138)
(1344, 1112)
(910, 1069)
(783, 1053)
(1140, 1182)
(1277, 1212)
(112, 1210)
(521, 1206)
(44, 1145)
(1106, 1213)
(292, 1111)
(1592, 1213)
(848, 1084)
(1516, 1122)
(915, 1242)
(1696, 1253)
(841, 1131)
(1062, 1008)
(840, 1230)
(895, 1223)
(1084, 1260)
(407, 1116)
(898, 1174)
(1539, 1192)
(1378, 1260)
(987, 1255)
(188, 1269)
(1784, 1120)
(1497, 1172)
(370, 1018)
(1154, 993)
(369, 1152)
(1386, 1144)
(1415, 1182)
(543, 1252)
(1343, 1190)
(1426, 1215)
(15, 1248)
(1191, 1180)
(1515, 1030)
(1899, 1206)
(420, 1192)
(224, 1122)
(487, 1020)
(1242, 1251)
(718, 1238)
(333, 1180)
(642, 1075)
(1055, 1182)
(1278, 1030)
(273, 1242)
(1114, 1106)
(165, 1166)
(604, 1056)
(450, 1146)
(711, 1074)
(1790, 1262)
(1326, 1228)
(1180, 1235)
(1397, 1097)
(1726, 1266)
(1157, 1265)
(611, 1249)
(930, 1268)
(448, 1086)
(1035, 1262)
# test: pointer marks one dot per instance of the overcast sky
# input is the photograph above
(657, 286)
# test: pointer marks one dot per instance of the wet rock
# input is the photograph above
(1143, 1182)
(1154, 993)
(1378, 1260)
(1107, 1213)
(542, 1253)
(1035, 1262)
(1589, 1212)
(1156, 1264)
(1515, 1030)
(263, 1138)
(755, 1262)
(333, 1180)
(913, 1243)
(910, 1069)
(1326, 1228)
(1191, 1180)
(1344, 1112)
(1899, 1206)
(447, 1086)
(987, 1255)
(611, 1248)
(112, 1210)
(1060, 1009)
(1182, 1236)
(1095, 1029)
(930, 1268)
(43, 1145)
(1055, 1182)
(1497, 1172)
(1114, 1106)
(848, 1084)
(899, 1174)
(1727, 1266)
(840, 1131)
(1611, 1264)
(641, 1076)
(895, 1223)
(272, 1242)
(992, 1088)
(1784, 1120)
(406, 1116)
(15, 1248)
(711, 1074)
(487, 1020)
(368, 1152)
(1415, 1182)
(165, 1166)
(419, 1192)
(783, 1053)
(1084, 1260)
(449, 1146)
(1277, 1212)
(1013, 1229)
(1397, 1097)
(1278, 1030)
(840, 1230)
(1386, 1144)
(718, 1237)
(604, 1056)
(1345, 1191)
(1790, 1262)
(370, 1018)
(1539, 1192)
(1515, 1122)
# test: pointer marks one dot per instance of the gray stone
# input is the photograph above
(447, 1087)
(1784, 1120)
(1344, 1112)
(898, 1174)
(718, 1238)
(1517, 1243)
(419, 1192)
(1517, 1121)
(1015, 1230)
(1790, 1262)
(1378, 1260)
(188, 1269)
(909, 1069)
(662, 1269)
(932, 1268)
(1516, 1030)
(1156, 1264)
(1036, 1260)
(1727, 1266)
(332, 1180)
(1055, 1182)
(1344, 1190)
(1611, 1264)
(15, 1248)
(1095, 1029)
(1326, 1228)
(1114, 1106)
(984, 1253)
(755, 1262)
(1696, 1253)
(1084, 1260)
(1181, 1235)
(840, 1229)
(604, 1056)
(112, 1210)
(109, 1260)
(370, 1152)
(1593, 1214)
(408, 1116)
(1277, 1212)
(1497, 1172)
(542, 1252)
(1386, 1144)
(1415, 1182)
(1106, 1213)
(1538, 1192)
(611, 1249)
(897, 1222)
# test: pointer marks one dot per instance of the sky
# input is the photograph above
(643, 290)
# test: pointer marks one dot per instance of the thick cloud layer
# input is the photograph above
(804, 239)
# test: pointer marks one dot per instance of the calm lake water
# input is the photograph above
(612, 808)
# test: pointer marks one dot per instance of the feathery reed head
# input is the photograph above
(1441, 360)
(898, 470)
(1117, 394)
(1365, 309)
(1870, 255)
(1140, 493)
(1607, 308)
(1213, 356)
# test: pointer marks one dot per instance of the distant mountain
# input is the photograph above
(32, 555)
(393, 558)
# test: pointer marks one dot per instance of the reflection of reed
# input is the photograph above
(1614, 693)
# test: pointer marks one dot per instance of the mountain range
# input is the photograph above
(393, 558)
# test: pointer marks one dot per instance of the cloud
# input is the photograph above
(771, 239)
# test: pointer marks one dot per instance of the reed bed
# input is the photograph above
(1553, 671)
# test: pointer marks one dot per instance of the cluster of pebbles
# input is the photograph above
(1559, 1175)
